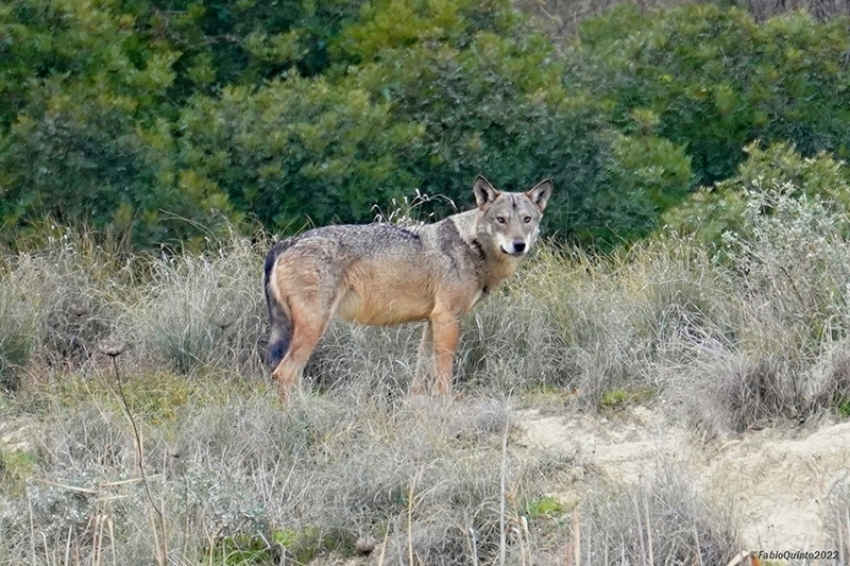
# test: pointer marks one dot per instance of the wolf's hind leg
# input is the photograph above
(305, 336)
(310, 320)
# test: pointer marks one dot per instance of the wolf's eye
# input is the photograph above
(500, 219)
(527, 219)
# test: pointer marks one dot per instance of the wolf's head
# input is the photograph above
(511, 221)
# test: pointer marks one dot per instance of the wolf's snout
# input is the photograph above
(516, 247)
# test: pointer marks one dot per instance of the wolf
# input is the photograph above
(384, 274)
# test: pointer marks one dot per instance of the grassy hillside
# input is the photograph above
(116, 365)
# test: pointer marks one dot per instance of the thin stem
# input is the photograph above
(137, 439)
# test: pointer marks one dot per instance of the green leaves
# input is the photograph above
(718, 80)
(712, 214)
(294, 147)
(158, 117)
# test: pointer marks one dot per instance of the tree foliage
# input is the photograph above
(717, 80)
(163, 118)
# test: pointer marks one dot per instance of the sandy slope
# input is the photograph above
(777, 481)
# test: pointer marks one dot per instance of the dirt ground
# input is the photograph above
(778, 481)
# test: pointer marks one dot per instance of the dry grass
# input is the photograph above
(748, 337)
(200, 311)
(662, 520)
(837, 521)
(241, 480)
(235, 473)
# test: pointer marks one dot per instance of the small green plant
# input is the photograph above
(841, 406)
(15, 467)
(301, 545)
(618, 398)
(546, 506)
(244, 550)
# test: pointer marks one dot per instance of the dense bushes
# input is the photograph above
(187, 116)
(160, 119)
(715, 213)
(717, 80)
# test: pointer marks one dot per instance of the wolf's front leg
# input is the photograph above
(424, 372)
(445, 328)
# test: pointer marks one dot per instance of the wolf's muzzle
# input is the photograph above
(517, 247)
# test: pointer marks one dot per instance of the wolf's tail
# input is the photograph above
(279, 317)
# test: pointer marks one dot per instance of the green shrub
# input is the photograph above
(731, 206)
(717, 79)
(491, 100)
(309, 114)
(295, 150)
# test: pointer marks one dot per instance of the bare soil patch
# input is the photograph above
(778, 481)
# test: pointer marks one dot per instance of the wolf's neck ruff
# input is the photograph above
(479, 249)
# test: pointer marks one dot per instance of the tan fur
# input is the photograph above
(381, 274)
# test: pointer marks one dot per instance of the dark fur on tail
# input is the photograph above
(281, 323)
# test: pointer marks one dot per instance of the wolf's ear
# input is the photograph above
(540, 193)
(485, 193)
